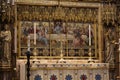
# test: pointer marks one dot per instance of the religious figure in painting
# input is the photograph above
(25, 30)
(58, 28)
(77, 41)
(84, 36)
(6, 37)
(42, 36)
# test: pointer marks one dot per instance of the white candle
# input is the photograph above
(34, 33)
(28, 43)
(15, 39)
(8, 1)
(89, 35)
(13, 2)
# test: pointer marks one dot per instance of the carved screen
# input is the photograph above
(50, 39)
(70, 31)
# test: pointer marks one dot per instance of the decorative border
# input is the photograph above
(63, 3)
(68, 48)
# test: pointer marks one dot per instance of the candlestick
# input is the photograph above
(89, 35)
(61, 47)
(34, 33)
(61, 44)
(119, 44)
(90, 53)
(28, 43)
(119, 56)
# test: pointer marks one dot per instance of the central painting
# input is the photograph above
(50, 39)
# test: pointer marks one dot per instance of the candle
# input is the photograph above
(15, 39)
(8, 1)
(28, 43)
(34, 33)
(89, 35)
(13, 2)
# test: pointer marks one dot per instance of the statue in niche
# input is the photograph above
(109, 45)
(5, 36)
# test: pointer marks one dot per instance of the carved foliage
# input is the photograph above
(44, 13)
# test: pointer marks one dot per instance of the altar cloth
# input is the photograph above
(64, 71)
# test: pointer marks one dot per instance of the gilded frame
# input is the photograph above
(97, 24)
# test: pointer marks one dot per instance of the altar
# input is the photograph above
(66, 70)
(61, 41)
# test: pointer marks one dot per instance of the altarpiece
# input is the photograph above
(62, 37)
